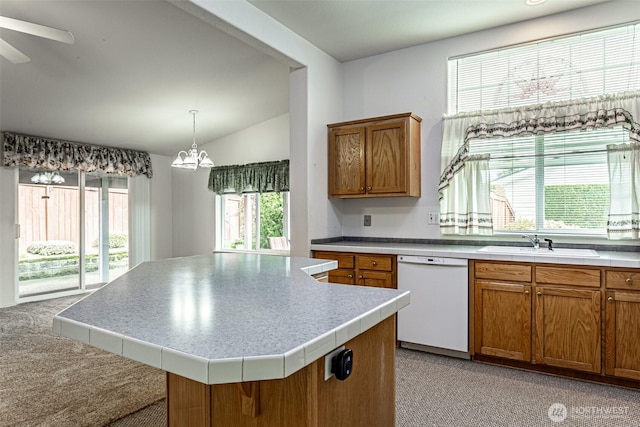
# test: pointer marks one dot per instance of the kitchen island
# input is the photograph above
(243, 339)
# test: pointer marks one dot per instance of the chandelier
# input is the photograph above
(47, 178)
(192, 159)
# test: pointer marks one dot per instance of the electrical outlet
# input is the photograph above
(434, 218)
(367, 220)
(327, 362)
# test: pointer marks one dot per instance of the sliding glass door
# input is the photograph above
(73, 230)
(106, 218)
(48, 210)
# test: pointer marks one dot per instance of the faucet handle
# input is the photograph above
(550, 242)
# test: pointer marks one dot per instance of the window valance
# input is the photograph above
(263, 177)
(590, 113)
(51, 154)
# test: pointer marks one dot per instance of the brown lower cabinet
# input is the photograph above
(567, 328)
(378, 270)
(503, 332)
(555, 315)
(622, 323)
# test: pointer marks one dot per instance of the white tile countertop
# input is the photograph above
(605, 258)
(226, 317)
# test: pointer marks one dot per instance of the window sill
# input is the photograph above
(281, 252)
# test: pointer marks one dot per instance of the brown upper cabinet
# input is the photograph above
(377, 157)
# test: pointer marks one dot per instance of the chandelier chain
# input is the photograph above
(194, 145)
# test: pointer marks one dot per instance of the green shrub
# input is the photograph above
(116, 240)
(52, 247)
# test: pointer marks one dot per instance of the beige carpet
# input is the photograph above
(50, 380)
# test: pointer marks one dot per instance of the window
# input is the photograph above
(580, 66)
(556, 182)
(533, 125)
(255, 222)
(254, 213)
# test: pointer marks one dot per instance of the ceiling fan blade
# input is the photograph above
(12, 54)
(36, 30)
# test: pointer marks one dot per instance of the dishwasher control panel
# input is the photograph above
(432, 260)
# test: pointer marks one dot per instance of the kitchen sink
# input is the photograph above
(556, 252)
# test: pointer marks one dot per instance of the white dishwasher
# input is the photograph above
(437, 320)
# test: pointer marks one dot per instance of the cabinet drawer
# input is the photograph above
(345, 260)
(622, 279)
(501, 271)
(375, 262)
(568, 276)
(344, 276)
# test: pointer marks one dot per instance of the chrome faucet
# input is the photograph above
(534, 240)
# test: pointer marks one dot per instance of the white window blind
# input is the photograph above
(580, 66)
(554, 182)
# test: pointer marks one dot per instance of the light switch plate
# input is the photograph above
(434, 218)
(367, 220)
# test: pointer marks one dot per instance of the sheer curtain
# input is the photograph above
(465, 207)
(624, 179)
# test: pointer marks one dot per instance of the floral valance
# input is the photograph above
(605, 111)
(45, 153)
(263, 177)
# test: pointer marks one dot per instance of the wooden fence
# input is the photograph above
(52, 213)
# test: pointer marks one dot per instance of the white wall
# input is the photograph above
(415, 79)
(264, 142)
(161, 227)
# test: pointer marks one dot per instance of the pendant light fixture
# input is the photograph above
(192, 159)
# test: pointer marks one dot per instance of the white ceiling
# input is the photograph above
(138, 67)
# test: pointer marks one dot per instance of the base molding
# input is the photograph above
(551, 370)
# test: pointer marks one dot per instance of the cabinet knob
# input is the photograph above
(610, 299)
(361, 188)
(629, 281)
(538, 293)
(526, 292)
(350, 276)
(369, 188)
(374, 263)
(360, 277)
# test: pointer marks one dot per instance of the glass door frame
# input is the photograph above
(103, 242)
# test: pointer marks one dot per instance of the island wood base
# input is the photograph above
(304, 398)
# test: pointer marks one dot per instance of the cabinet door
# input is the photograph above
(503, 320)
(386, 155)
(567, 328)
(622, 314)
(378, 279)
(346, 161)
